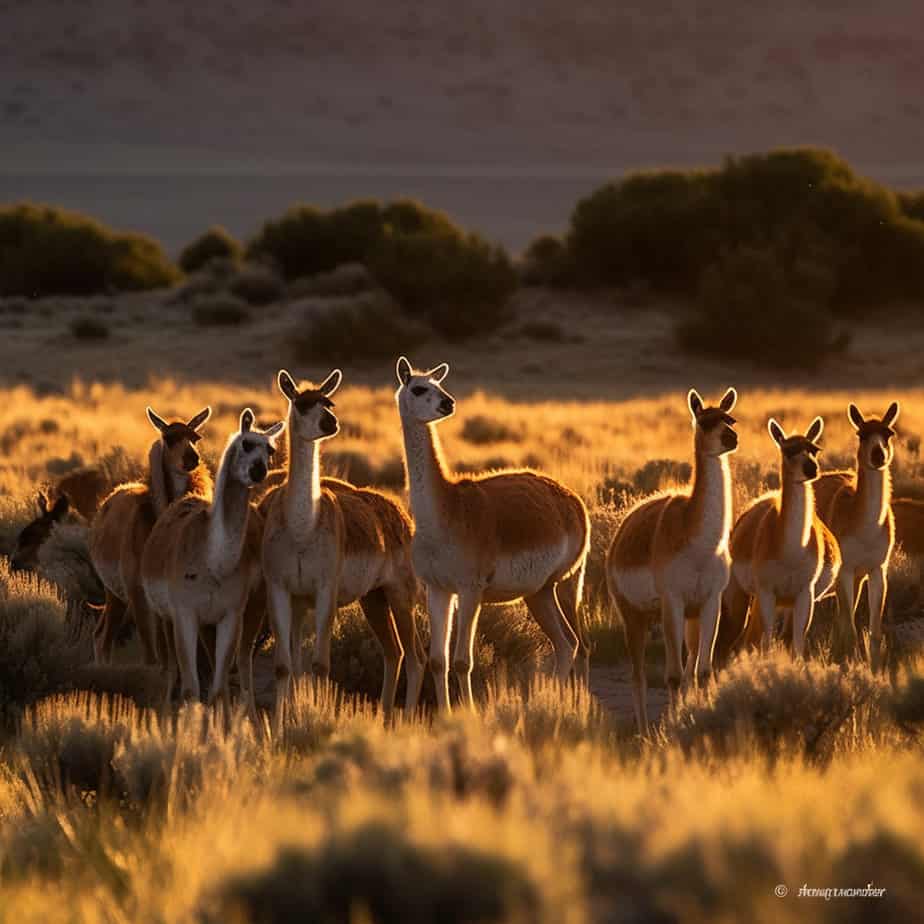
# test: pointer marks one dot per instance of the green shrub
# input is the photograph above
(214, 244)
(257, 285)
(221, 310)
(89, 329)
(547, 262)
(47, 251)
(371, 327)
(459, 283)
(760, 305)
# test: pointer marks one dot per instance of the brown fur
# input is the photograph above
(909, 525)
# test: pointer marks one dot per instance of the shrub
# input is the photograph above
(548, 262)
(459, 283)
(86, 328)
(544, 331)
(47, 251)
(216, 243)
(752, 301)
(221, 310)
(912, 205)
(257, 285)
(346, 279)
(371, 327)
(482, 431)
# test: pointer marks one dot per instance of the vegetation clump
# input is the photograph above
(214, 244)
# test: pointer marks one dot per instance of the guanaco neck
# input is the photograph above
(302, 491)
(874, 494)
(227, 527)
(428, 484)
(167, 484)
(710, 509)
(797, 509)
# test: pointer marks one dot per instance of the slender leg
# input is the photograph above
(298, 609)
(185, 635)
(280, 616)
(254, 616)
(467, 622)
(172, 667)
(691, 638)
(877, 589)
(378, 615)
(846, 608)
(144, 620)
(710, 614)
(325, 611)
(107, 627)
(402, 608)
(636, 626)
(672, 612)
(440, 603)
(227, 640)
(802, 610)
(545, 610)
(569, 598)
(766, 614)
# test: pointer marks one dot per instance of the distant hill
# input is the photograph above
(167, 84)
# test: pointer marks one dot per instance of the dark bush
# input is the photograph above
(544, 331)
(257, 285)
(371, 327)
(912, 205)
(459, 283)
(219, 311)
(763, 305)
(47, 251)
(89, 329)
(547, 262)
(214, 244)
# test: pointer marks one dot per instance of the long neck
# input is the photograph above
(167, 484)
(303, 488)
(426, 475)
(797, 508)
(874, 494)
(227, 520)
(710, 509)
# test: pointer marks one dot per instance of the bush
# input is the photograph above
(219, 310)
(547, 262)
(89, 329)
(257, 285)
(763, 305)
(481, 430)
(346, 279)
(372, 327)
(545, 332)
(214, 244)
(459, 283)
(48, 251)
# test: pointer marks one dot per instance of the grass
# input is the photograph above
(542, 806)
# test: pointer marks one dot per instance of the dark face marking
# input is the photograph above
(810, 468)
(710, 418)
(447, 405)
(176, 432)
(257, 472)
(309, 399)
(419, 390)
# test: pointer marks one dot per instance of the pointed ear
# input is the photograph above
(274, 431)
(815, 429)
(42, 502)
(331, 383)
(158, 423)
(891, 415)
(247, 419)
(287, 385)
(438, 373)
(729, 400)
(196, 422)
(403, 370)
(776, 432)
(854, 415)
(694, 402)
(62, 505)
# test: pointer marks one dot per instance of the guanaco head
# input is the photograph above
(420, 395)
(798, 452)
(179, 439)
(311, 415)
(715, 434)
(251, 449)
(24, 556)
(875, 450)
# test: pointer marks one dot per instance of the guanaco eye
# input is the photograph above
(419, 390)
(271, 451)
(248, 445)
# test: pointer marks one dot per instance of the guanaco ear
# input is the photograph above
(158, 423)
(729, 400)
(891, 415)
(331, 383)
(287, 385)
(247, 419)
(776, 432)
(272, 432)
(196, 422)
(62, 505)
(814, 430)
(42, 502)
(403, 369)
(438, 373)
(854, 415)
(694, 402)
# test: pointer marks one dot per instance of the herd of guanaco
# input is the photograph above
(191, 560)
